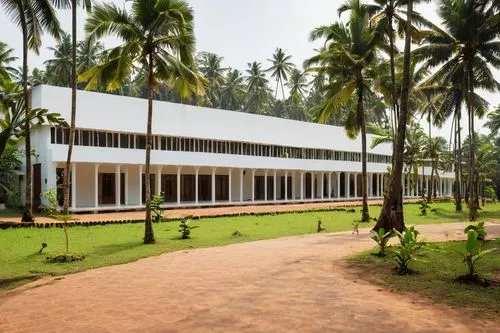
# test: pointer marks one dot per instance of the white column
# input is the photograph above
(253, 185)
(241, 185)
(417, 186)
(293, 186)
(329, 185)
(117, 185)
(313, 193)
(338, 184)
(126, 186)
(347, 177)
(274, 186)
(196, 184)
(213, 185)
(378, 185)
(140, 185)
(179, 185)
(382, 185)
(230, 180)
(322, 187)
(158, 179)
(355, 185)
(265, 185)
(302, 185)
(73, 185)
(96, 187)
(286, 185)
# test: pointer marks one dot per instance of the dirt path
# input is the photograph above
(283, 285)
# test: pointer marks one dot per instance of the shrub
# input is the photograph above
(355, 228)
(405, 253)
(479, 229)
(156, 212)
(319, 227)
(185, 228)
(381, 238)
(423, 206)
(473, 253)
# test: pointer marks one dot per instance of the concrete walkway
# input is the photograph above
(291, 284)
(210, 211)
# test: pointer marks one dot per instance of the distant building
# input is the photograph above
(200, 156)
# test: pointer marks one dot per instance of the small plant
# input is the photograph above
(381, 238)
(355, 228)
(185, 228)
(44, 245)
(156, 212)
(405, 253)
(423, 206)
(236, 234)
(320, 228)
(473, 252)
(479, 229)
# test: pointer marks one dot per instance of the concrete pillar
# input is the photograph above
(265, 185)
(378, 185)
(286, 185)
(293, 186)
(338, 184)
(313, 189)
(347, 176)
(179, 184)
(230, 181)
(274, 186)
(73, 185)
(126, 186)
(322, 187)
(241, 184)
(96, 187)
(302, 185)
(196, 184)
(117, 185)
(213, 185)
(355, 185)
(253, 185)
(329, 185)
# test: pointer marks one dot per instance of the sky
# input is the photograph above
(241, 31)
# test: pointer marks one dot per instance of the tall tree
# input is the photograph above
(257, 90)
(494, 121)
(88, 53)
(468, 47)
(280, 69)
(233, 91)
(59, 67)
(6, 58)
(210, 65)
(348, 59)
(158, 37)
(33, 17)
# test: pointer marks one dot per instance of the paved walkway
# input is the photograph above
(211, 211)
(291, 284)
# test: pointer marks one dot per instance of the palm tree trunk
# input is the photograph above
(28, 205)
(391, 215)
(395, 111)
(149, 237)
(473, 195)
(365, 215)
(73, 110)
(458, 162)
(431, 185)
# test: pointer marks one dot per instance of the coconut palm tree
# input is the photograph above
(6, 58)
(434, 150)
(494, 121)
(233, 91)
(468, 47)
(158, 38)
(348, 59)
(60, 65)
(280, 69)
(210, 65)
(297, 85)
(257, 90)
(33, 17)
(88, 53)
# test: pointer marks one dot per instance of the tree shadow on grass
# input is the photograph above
(109, 249)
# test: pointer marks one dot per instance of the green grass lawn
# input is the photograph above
(438, 266)
(121, 243)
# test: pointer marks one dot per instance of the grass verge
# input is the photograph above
(438, 266)
(121, 243)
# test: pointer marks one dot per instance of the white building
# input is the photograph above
(201, 156)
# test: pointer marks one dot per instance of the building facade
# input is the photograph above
(200, 156)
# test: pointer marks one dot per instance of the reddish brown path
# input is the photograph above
(211, 211)
(292, 284)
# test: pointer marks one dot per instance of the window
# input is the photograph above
(86, 136)
(52, 135)
(140, 142)
(124, 140)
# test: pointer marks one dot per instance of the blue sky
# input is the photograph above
(241, 31)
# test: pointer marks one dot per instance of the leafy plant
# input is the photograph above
(479, 229)
(185, 228)
(409, 246)
(156, 212)
(381, 238)
(423, 206)
(319, 227)
(473, 253)
(355, 228)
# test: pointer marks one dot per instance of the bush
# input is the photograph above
(185, 228)
(473, 253)
(423, 206)
(381, 238)
(66, 257)
(156, 212)
(405, 253)
(479, 229)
